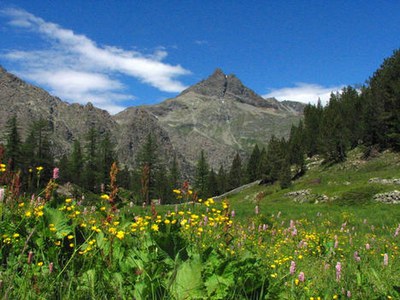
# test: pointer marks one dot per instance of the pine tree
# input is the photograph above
(174, 174)
(124, 178)
(91, 167)
(296, 147)
(384, 93)
(37, 151)
(163, 188)
(106, 158)
(285, 175)
(201, 178)
(212, 184)
(333, 133)
(222, 180)
(312, 122)
(148, 163)
(13, 144)
(253, 165)
(235, 173)
(75, 163)
(274, 159)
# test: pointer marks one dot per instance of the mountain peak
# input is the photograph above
(222, 86)
(218, 72)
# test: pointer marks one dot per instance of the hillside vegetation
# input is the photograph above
(350, 185)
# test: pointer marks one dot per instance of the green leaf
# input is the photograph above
(188, 283)
(60, 221)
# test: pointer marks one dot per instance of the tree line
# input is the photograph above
(368, 116)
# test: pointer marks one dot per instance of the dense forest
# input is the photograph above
(367, 117)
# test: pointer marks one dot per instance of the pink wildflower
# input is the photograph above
(1, 195)
(51, 267)
(385, 259)
(367, 246)
(357, 256)
(56, 173)
(302, 277)
(294, 231)
(395, 234)
(336, 244)
(233, 213)
(291, 224)
(292, 267)
(338, 271)
(348, 294)
(257, 210)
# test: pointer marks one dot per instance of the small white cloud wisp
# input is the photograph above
(304, 92)
(76, 69)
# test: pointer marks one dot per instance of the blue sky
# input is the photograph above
(122, 53)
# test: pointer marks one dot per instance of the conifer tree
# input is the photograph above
(106, 157)
(13, 144)
(37, 151)
(91, 169)
(312, 121)
(333, 133)
(296, 147)
(212, 184)
(235, 173)
(222, 180)
(201, 178)
(75, 163)
(253, 165)
(149, 164)
(285, 175)
(174, 174)
(384, 94)
(274, 159)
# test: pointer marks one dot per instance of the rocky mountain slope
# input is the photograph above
(219, 115)
(222, 116)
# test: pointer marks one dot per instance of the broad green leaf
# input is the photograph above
(188, 283)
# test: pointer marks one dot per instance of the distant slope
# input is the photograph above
(353, 182)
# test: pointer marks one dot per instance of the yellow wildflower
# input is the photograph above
(40, 264)
(154, 227)
(120, 234)
(105, 197)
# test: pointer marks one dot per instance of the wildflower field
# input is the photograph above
(54, 247)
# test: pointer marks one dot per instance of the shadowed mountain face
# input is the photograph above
(219, 115)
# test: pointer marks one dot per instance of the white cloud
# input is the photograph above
(201, 42)
(304, 92)
(75, 67)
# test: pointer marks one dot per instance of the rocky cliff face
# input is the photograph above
(219, 115)
(66, 121)
(222, 116)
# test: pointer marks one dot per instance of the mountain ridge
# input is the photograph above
(219, 114)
